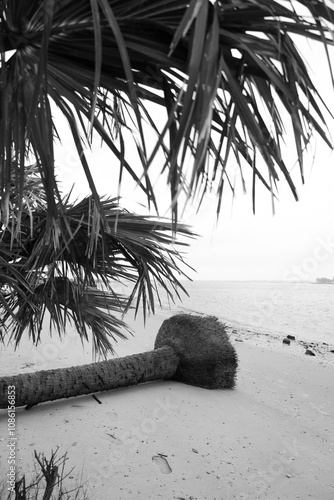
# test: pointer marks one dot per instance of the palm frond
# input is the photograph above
(208, 65)
(74, 282)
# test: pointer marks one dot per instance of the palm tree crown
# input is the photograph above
(223, 71)
(75, 280)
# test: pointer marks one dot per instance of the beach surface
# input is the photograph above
(272, 437)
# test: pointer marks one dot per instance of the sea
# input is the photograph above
(305, 310)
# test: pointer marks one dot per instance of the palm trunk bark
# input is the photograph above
(48, 385)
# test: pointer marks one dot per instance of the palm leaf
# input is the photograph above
(74, 281)
(89, 56)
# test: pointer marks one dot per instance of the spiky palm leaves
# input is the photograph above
(74, 281)
(225, 72)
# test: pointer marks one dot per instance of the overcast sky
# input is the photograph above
(295, 243)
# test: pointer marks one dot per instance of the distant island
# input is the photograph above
(324, 281)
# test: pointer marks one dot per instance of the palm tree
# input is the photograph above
(227, 74)
(74, 281)
(195, 350)
(229, 77)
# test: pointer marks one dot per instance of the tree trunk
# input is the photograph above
(48, 385)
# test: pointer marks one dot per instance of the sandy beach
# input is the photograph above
(272, 437)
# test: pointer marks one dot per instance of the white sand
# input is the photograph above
(269, 438)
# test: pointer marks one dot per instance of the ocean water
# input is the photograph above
(305, 310)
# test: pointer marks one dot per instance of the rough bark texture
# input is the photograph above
(192, 349)
(207, 357)
(48, 385)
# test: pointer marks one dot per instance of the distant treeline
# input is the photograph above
(321, 281)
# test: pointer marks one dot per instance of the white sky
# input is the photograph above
(295, 243)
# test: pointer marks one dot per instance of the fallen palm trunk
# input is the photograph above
(191, 349)
(48, 385)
